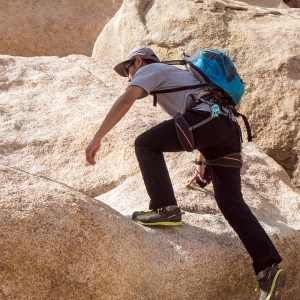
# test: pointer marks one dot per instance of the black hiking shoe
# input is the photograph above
(160, 216)
(271, 282)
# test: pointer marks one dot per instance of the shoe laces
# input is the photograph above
(149, 212)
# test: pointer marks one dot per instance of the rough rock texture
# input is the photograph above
(56, 242)
(263, 42)
(76, 93)
(56, 27)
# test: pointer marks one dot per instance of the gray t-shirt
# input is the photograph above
(160, 76)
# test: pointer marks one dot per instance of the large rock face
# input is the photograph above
(56, 242)
(264, 42)
(30, 28)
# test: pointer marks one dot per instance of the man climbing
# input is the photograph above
(216, 139)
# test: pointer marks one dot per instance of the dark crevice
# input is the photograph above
(98, 191)
(45, 178)
(292, 3)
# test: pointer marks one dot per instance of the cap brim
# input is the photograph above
(119, 68)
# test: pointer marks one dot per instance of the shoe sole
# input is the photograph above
(159, 223)
(278, 284)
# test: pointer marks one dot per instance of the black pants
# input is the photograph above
(214, 139)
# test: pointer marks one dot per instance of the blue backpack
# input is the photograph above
(217, 70)
(217, 73)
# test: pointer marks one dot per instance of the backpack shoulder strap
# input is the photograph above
(172, 90)
(174, 62)
(249, 133)
(183, 88)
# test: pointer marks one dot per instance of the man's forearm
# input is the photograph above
(118, 110)
(116, 113)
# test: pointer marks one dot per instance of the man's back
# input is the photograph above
(159, 76)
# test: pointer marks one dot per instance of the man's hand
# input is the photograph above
(199, 172)
(116, 113)
(91, 151)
